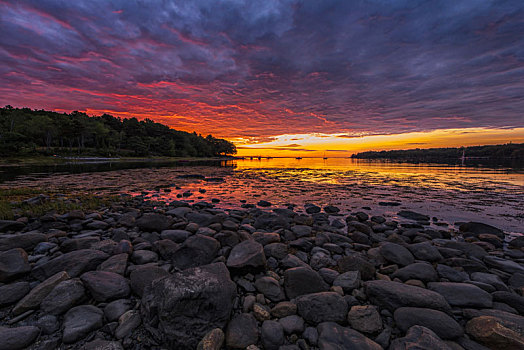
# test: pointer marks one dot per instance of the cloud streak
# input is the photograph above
(258, 69)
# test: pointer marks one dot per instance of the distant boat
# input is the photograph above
(298, 158)
(325, 156)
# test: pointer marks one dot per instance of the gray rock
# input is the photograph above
(127, 323)
(105, 286)
(210, 292)
(117, 308)
(508, 266)
(292, 324)
(328, 275)
(154, 222)
(38, 293)
(80, 321)
(116, 264)
(419, 271)
(322, 307)
(10, 225)
(392, 295)
(48, 324)
(301, 230)
(247, 256)
(270, 288)
(143, 276)
(490, 279)
(63, 297)
(425, 251)
(419, 337)
(334, 336)
(177, 236)
(13, 263)
(480, 228)
(348, 281)
(276, 250)
(26, 241)
(516, 280)
(141, 257)
(513, 300)
(17, 337)
(365, 319)
(11, 293)
(396, 254)
(265, 238)
(197, 250)
(451, 274)
(462, 294)
(283, 309)
(74, 263)
(272, 335)
(443, 325)
(357, 263)
(100, 344)
(78, 243)
(242, 331)
(302, 280)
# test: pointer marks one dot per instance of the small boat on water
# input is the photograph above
(298, 158)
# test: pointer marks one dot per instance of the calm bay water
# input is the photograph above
(449, 193)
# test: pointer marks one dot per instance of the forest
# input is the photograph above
(513, 151)
(27, 132)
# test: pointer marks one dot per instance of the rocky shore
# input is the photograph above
(146, 275)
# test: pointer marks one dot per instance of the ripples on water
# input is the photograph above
(450, 193)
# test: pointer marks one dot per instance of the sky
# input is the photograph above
(282, 77)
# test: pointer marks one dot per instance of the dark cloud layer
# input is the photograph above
(241, 68)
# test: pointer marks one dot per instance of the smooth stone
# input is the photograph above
(419, 337)
(442, 324)
(396, 254)
(451, 274)
(100, 344)
(154, 222)
(270, 288)
(334, 336)
(105, 286)
(242, 331)
(197, 250)
(419, 271)
(272, 334)
(127, 323)
(365, 319)
(213, 340)
(283, 309)
(38, 293)
(425, 251)
(141, 257)
(27, 241)
(247, 256)
(17, 337)
(505, 265)
(321, 307)
(177, 236)
(11, 293)
(357, 263)
(408, 214)
(480, 228)
(74, 263)
(490, 279)
(11, 225)
(116, 308)
(348, 281)
(462, 294)
(80, 321)
(142, 277)
(13, 263)
(292, 324)
(116, 264)
(512, 299)
(496, 333)
(63, 297)
(302, 280)
(48, 324)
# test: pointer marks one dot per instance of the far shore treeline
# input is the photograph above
(26, 132)
(510, 151)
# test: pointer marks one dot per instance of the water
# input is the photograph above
(451, 193)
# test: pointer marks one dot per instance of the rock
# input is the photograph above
(78, 243)
(425, 251)
(470, 249)
(11, 293)
(443, 325)
(99, 344)
(356, 263)
(365, 319)
(508, 266)
(396, 254)
(419, 271)
(272, 335)
(247, 256)
(334, 336)
(408, 214)
(142, 277)
(177, 236)
(213, 340)
(13, 263)
(517, 242)
(270, 288)
(283, 309)
(141, 257)
(242, 331)
(116, 264)
(197, 250)
(292, 324)
(17, 337)
(301, 230)
(63, 297)
(392, 295)
(105, 286)
(513, 300)
(26, 241)
(10, 225)
(80, 321)
(328, 275)
(74, 263)
(48, 324)
(451, 274)
(154, 222)
(265, 238)
(331, 209)
(348, 281)
(462, 294)
(116, 308)
(419, 337)
(260, 312)
(490, 279)
(302, 280)
(127, 323)
(480, 228)
(322, 307)
(496, 333)
(210, 292)
(38, 293)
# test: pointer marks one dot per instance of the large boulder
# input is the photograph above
(13, 263)
(142, 277)
(302, 280)
(247, 256)
(197, 250)
(189, 304)
(74, 263)
(392, 295)
(334, 336)
(322, 307)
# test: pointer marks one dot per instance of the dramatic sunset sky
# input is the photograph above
(277, 77)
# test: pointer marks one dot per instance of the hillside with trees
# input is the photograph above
(510, 151)
(38, 132)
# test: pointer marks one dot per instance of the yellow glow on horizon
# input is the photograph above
(336, 145)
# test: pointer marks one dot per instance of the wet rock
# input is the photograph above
(74, 263)
(331, 209)
(480, 228)
(213, 340)
(142, 277)
(365, 319)
(38, 293)
(408, 214)
(127, 323)
(13, 263)
(247, 256)
(105, 286)
(116, 308)
(322, 307)
(356, 263)
(197, 250)
(462, 294)
(419, 271)
(210, 292)
(396, 254)
(302, 280)
(242, 331)
(154, 222)
(443, 325)
(11, 293)
(270, 288)
(496, 333)
(80, 321)
(63, 297)
(419, 337)
(392, 295)
(25, 241)
(272, 335)
(17, 337)
(116, 264)
(348, 281)
(334, 336)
